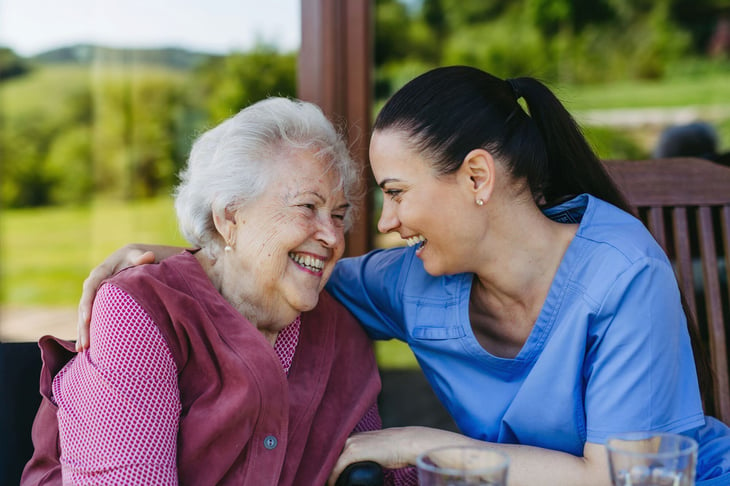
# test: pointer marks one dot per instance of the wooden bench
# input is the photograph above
(685, 203)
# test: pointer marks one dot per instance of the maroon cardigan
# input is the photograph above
(243, 422)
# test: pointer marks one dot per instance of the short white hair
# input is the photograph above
(233, 163)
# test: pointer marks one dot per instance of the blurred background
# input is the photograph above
(100, 101)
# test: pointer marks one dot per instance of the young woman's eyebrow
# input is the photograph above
(385, 182)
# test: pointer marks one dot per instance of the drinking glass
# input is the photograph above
(652, 459)
(462, 466)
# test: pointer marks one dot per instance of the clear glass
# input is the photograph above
(652, 459)
(462, 466)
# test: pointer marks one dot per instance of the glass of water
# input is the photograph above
(652, 459)
(462, 466)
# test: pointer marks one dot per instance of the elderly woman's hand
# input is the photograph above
(126, 256)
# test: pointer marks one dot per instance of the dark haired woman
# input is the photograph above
(544, 315)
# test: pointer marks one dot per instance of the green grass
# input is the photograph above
(45, 254)
(394, 354)
(707, 90)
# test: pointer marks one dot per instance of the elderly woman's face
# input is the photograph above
(288, 240)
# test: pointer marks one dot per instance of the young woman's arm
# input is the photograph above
(398, 447)
(127, 256)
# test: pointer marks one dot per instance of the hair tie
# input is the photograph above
(515, 89)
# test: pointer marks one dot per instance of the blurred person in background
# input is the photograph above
(697, 139)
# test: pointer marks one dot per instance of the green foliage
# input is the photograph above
(112, 123)
(235, 81)
(65, 136)
(69, 166)
(392, 40)
(11, 65)
(556, 40)
(507, 46)
(464, 12)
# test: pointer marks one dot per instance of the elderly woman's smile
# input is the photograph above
(311, 263)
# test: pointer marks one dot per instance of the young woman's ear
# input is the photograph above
(478, 171)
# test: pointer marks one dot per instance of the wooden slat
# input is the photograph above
(655, 223)
(713, 303)
(683, 256)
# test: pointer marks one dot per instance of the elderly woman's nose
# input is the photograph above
(328, 231)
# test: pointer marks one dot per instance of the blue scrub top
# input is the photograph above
(609, 352)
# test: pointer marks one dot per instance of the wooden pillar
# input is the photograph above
(334, 71)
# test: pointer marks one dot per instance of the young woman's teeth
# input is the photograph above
(314, 264)
(416, 240)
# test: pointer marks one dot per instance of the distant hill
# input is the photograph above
(171, 57)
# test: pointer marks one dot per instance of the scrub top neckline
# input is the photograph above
(543, 327)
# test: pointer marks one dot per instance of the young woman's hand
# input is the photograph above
(398, 447)
(393, 448)
(126, 256)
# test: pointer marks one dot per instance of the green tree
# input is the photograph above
(11, 64)
(228, 84)
(391, 41)
(135, 127)
(69, 167)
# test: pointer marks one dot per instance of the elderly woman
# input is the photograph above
(228, 364)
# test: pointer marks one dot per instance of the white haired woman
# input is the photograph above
(228, 364)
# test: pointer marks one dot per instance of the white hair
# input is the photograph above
(233, 163)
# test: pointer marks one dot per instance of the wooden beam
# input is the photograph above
(333, 71)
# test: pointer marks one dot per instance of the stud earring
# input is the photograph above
(227, 248)
(480, 202)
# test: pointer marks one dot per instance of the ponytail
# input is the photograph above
(573, 167)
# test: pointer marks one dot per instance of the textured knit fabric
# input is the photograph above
(609, 352)
(118, 403)
(242, 421)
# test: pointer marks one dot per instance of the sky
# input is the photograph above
(214, 26)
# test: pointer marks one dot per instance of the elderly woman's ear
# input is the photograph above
(225, 224)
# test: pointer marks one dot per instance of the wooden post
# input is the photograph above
(334, 68)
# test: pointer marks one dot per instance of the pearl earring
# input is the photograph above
(228, 248)
(480, 202)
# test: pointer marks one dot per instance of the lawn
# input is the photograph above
(46, 253)
(685, 90)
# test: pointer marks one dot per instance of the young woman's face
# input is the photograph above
(427, 211)
(288, 240)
